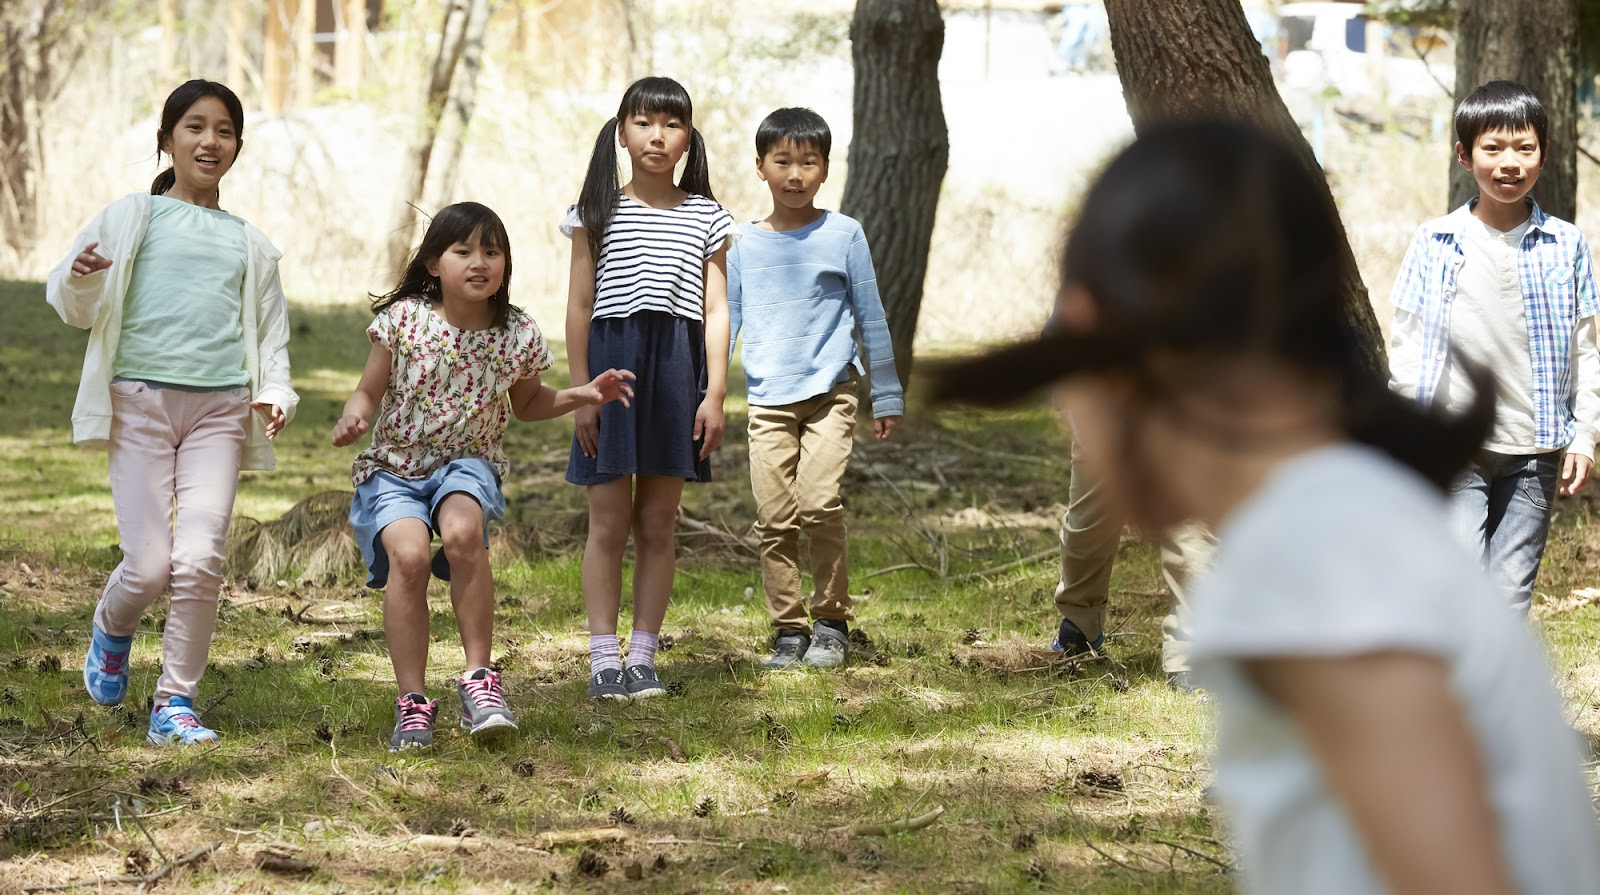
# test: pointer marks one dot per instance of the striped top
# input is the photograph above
(654, 259)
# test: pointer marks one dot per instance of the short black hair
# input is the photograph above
(1502, 105)
(802, 127)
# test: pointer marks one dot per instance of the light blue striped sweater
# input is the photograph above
(799, 296)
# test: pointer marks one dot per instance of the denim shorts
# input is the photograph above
(385, 498)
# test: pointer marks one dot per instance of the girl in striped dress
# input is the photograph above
(648, 293)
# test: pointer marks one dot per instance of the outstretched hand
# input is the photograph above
(88, 262)
(612, 385)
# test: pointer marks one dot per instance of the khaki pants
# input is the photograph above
(174, 460)
(1090, 533)
(798, 454)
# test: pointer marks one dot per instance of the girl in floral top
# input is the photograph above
(451, 362)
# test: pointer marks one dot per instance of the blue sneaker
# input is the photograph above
(1071, 641)
(176, 725)
(105, 668)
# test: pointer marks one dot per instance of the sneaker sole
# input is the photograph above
(407, 747)
(156, 739)
(651, 693)
(611, 697)
(492, 728)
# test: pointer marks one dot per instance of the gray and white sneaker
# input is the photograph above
(413, 722)
(607, 684)
(788, 647)
(828, 641)
(484, 714)
(641, 682)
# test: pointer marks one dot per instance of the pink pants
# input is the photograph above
(172, 450)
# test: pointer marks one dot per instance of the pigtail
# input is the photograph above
(597, 202)
(1436, 445)
(697, 168)
(164, 182)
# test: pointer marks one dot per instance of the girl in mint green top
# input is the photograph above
(186, 380)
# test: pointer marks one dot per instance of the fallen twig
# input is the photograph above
(555, 838)
(157, 875)
(904, 825)
(905, 566)
(278, 862)
(673, 750)
(1195, 853)
(1006, 567)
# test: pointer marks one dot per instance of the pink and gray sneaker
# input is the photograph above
(484, 714)
(413, 722)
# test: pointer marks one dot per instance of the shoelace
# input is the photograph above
(113, 663)
(184, 719)
(485, 691)
(414, 716)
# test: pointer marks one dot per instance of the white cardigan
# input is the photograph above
(94, 302)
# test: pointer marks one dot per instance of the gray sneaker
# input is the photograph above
(607, 684)
(787, 649)
(641, 682)
(413, 722)
(484, 714)
(827, 648)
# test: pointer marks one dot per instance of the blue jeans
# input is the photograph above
(1501, 507)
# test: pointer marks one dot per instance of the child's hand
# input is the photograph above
(612, 385)
(884, 427)
(708, 426)
(1575, 472)
(88, 262)
(275, 416)
(348, 429)
(586, 420)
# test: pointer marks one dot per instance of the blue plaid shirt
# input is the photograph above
(1558, 290)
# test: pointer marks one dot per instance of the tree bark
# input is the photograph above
(899, 151)
(350, 53)
(1535, 43)
(460, 102)
(414, 173)
(1198, 59)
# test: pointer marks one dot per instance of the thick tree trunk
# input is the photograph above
(1535, 43)
(1199, 59)
(898, 151)
(414, 173)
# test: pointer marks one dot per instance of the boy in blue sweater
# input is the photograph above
(800, 285)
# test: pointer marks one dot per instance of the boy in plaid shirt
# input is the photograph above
(1500, 284)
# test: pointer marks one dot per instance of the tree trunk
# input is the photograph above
(414, 173)
(350, 52)
(462, 99)
(899, 151)
(276, 55)
(1199, 59)
(1535, 43)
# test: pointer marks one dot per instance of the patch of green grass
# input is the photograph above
(1053, 778)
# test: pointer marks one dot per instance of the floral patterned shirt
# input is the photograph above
(447, 397)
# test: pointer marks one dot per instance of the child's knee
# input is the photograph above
(651, 534)
(146, 575)
(409, 561)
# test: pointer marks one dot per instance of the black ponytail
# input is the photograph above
(164, 181)
(597, 201)
(697, 170)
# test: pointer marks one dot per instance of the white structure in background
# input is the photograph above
(1330, 45)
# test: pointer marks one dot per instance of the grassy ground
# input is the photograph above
(1053, 777)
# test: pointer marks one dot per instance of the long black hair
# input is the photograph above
(178, 102)
(597, 202)
(453, 224)
(1213, 241)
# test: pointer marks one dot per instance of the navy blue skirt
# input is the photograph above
(656, 435)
